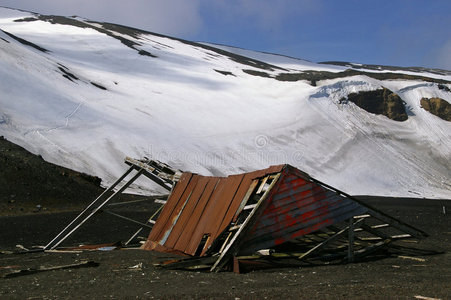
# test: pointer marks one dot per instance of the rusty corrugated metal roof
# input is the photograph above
(200, 207)
(200, 210)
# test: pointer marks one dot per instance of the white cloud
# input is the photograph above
(172, 17)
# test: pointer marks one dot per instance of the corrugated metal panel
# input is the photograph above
(298, 207)
(198, 206)
(170, 205)
(187, 237)
(188, 209)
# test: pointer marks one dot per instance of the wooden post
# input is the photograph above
(351, 240)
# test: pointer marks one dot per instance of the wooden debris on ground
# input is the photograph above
(84, 264)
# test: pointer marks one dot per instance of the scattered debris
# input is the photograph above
(84, 264)
(98, 247)
(426, 298)
(412, 258)
(22, 248)
(137, 267)
(63, 251)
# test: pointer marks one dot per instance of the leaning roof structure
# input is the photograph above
(226, 222)
(238, 215)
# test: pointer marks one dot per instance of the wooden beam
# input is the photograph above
(351, 240)
(157, 180)
(55, 242)
(332, 239)
(143, 165)
(370, 249)
(375, 232)
(98, 199)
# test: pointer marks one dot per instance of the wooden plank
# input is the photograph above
(351, 240)
(330, 240)
(249, 190)
(375, 232)
(164, 184)
(84, 264)
(166, 176)
(250, 206)
(58, 241)
(85, 211)
(262, 184)
(370, 249)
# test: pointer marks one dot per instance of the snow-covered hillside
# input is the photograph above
(84, 95)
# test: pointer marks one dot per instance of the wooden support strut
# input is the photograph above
(51, 245)
(158, 173)
(331, 239)
(351, 240)
(59, 239)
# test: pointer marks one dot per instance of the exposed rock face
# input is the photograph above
(438, 107)
(380, 102)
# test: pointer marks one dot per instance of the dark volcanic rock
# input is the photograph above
(25, 42)
(380, 102)
(438, 107)
(314, 76)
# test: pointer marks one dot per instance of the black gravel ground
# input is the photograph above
(132, 274)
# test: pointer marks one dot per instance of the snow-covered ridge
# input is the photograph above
(102, 92)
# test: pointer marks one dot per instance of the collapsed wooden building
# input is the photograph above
(267, 215)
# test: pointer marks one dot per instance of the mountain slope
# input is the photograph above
(85, 94)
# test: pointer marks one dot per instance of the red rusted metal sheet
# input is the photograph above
(221, 200)
(298, 207)
(187, 237)
(200, 206)
(190, 205)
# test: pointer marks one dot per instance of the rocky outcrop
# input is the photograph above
(438, 107)
(380, 102)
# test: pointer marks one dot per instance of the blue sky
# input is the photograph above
(388, 32)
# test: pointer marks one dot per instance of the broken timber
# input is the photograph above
(158, 172)
(84, 264)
